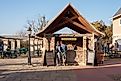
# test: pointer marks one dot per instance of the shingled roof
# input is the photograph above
(118, 13)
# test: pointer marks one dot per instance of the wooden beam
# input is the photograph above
(87, 25)
(61, 24)
(79, 25)
(76, 14)
(83, 22)
(83, 27)
(67, 20)
(75, 35)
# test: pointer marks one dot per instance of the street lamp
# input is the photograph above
(29, 55)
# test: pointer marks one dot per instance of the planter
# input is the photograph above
(100, 57)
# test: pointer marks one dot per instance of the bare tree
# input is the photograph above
(37, 25)
(21, 33)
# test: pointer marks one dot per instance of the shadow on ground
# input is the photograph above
(110, 71)
(83, 74)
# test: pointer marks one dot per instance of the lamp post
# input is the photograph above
(29, 55)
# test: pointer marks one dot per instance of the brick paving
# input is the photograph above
(17, 70)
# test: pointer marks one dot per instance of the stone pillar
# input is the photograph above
(12, 44)
(39, 44)
(93, 41)
(18, 43)
(45, 43)
(52, 44)
(35, 44)
(84, 56)
(31, 44)
(91, 49)
(5, 42)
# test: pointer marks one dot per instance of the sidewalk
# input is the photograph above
(110, 71)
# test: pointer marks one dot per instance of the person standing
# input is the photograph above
(63, 52)
(116, 45)
(58, 53)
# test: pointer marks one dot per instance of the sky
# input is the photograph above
(15, 13)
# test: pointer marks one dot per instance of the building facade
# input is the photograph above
(10, 41)
(36, 44)
(15, 42)
(117, 27)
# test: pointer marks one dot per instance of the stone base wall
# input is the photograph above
(76, 56)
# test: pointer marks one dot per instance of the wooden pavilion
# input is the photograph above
(84, 39)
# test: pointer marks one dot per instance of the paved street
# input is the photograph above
(17, 70)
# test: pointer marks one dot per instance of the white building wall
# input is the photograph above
(39, 44)
(116, 29)
(36, 44)
(12, 44)
(18, 43)
(5, 41)
(31, 44)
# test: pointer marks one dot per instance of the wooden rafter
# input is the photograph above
(87, 25)
(83, 22)
(65, 22)
(79, 25)
(74, 13)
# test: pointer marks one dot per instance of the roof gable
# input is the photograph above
(117, 13)
(68, 17)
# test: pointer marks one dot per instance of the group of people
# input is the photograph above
(61, 53)
(109, 47)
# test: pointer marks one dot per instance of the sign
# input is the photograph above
(50, 57)
(91, 56)
(69, 39)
